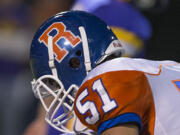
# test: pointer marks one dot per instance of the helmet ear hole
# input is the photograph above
(74, 63)
(78, 53)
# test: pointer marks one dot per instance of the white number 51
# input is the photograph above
(108, 103)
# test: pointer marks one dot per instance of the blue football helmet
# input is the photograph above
(63, 51)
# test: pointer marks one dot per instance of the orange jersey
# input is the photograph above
(127, 90)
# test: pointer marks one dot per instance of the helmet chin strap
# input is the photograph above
(87, 60)
(51, 56)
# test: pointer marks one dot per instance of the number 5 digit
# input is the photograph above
(88, 105)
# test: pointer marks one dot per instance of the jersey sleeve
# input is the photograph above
(114, 98)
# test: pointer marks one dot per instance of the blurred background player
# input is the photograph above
(156, 39)
(15, 99)
(131, 27)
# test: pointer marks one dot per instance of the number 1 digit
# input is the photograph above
(108, 104)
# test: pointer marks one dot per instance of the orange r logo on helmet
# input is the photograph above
(61, 33)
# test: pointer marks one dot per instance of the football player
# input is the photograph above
(124, 21)
(69, 51)
(116, 95)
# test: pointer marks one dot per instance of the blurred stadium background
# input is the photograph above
(19, 20)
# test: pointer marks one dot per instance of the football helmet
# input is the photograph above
(64, 49)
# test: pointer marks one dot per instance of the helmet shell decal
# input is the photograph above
(61, 32)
